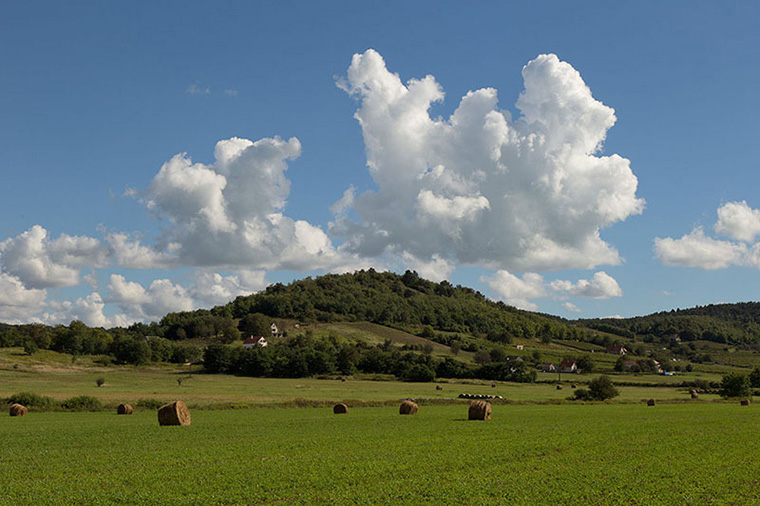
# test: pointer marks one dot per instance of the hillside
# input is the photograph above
(735, 324)
(401, 301)
(384, 323)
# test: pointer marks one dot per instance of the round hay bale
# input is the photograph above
(340, 409)
(650, 402)
(573, 386)
(559, 387)
(745, 402)
(124, 409)
(438, 387)
(695, 395)
(479, 410)
(408, 408)
(18, 410)
(493, 385)
(174, 413)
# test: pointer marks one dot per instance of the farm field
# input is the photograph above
(52, 374)
(530, 454)
(206, 390)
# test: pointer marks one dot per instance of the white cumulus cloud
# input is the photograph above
(229, 213)
(695, 249)
(212, 288)
(19, 304)
(90, 310)
(152, 303)
(738, 221)
(518, 291)
(478, 187)
(601, 286)
(41, 263)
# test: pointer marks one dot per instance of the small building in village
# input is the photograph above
(253, 341)
(569, 366)
(616, 349)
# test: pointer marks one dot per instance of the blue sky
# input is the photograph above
(97, 97)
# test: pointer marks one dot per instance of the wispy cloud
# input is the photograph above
(198, 89)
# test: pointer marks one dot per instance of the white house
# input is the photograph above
(255, 341)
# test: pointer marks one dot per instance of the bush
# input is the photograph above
(420, 373)
(82, 403)
(601, 389)
(735, 385)
(754, 378)
(581, 395)
(29, 399)
(30, 347)
(100, 382)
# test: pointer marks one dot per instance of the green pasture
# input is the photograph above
(207, 390)
(53, 374)
(527, 454)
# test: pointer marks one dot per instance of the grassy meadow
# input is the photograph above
(527, 454)
(539, 448)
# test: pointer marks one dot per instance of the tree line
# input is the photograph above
(302, 356)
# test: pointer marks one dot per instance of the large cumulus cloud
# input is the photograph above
(478, 187)
(230, 213)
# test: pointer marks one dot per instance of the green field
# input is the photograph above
(539, 448)
(528, 454)
(206, 390)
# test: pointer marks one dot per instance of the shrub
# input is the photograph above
(754, 378)
(581, 395)
(420, 373)
(30, 399)
(100, 382)
(735, 385)
(30, 347)
(602, 388)
(82, 403)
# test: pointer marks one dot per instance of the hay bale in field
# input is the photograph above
(479, 410)
(340, 409)
(408, 408)
(573, 386)
(174, 413)
(559, 387)
(650, 402)
(493, 385)
(438, 387)
(695, 395)
(745, 402)
(124, 409)
(18, 410)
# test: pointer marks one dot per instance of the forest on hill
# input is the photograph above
(454, 316)
(721, 323)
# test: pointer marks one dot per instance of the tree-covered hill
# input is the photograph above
(721, 323)
(401, 301)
